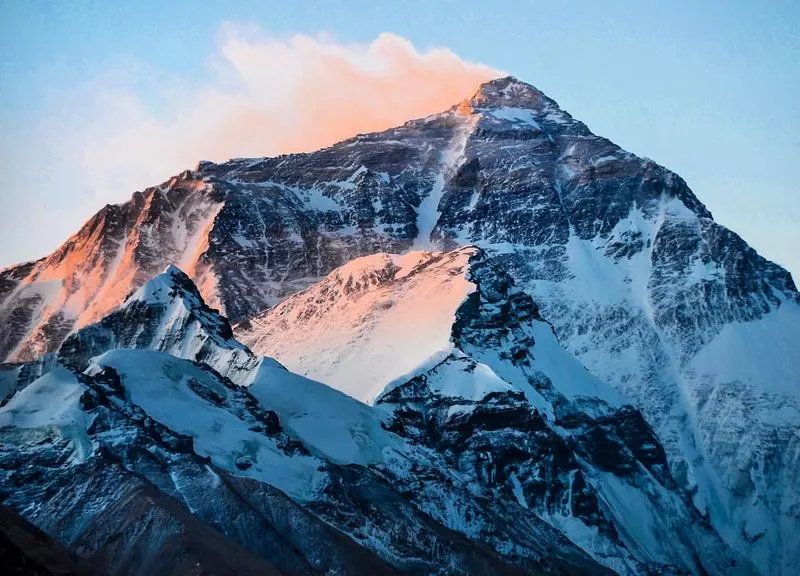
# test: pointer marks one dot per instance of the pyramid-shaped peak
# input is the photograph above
(167, 314)
(508, 91)
(165, 286)
(174, 271)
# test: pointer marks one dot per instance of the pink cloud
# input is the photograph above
(269, 96)
(135, 126)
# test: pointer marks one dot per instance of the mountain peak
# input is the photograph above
(167, 314)
(161, 288)
(507, 91)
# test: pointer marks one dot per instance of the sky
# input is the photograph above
(100, 98)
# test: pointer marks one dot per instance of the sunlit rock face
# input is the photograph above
(458, 360)
(133, 451)
(673, 310)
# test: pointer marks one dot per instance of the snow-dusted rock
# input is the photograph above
(167, 314)
(133, 450)
(487, 386)
(671, 309)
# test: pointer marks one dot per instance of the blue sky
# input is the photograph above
(709, 89)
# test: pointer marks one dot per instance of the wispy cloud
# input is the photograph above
(263, 96)
(272, 96)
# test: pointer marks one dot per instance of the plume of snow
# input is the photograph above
(263, 95)
(272, 96)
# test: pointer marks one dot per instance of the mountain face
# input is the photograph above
(147, 462)
(676, 313)
(167, 314)
(26, 550)
(488, 386)
(503, 456)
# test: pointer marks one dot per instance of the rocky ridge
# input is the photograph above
(118, 445)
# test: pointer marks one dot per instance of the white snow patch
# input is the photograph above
(569, 376)
(518, 117)
(158, 383)
(52, 401)
(345, 430)
(519, 494)
(428, 210)
(374, 320)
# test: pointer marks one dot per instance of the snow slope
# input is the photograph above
(495, 392)
(340, 428)
(372, 321)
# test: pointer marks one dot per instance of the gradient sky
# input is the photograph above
(97, 98)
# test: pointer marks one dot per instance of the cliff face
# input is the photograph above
(671, 309)
(139, 456)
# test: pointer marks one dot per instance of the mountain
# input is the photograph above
(672, 310)
(478, 375)
(504, 443)
(167, 314)
(143, 461)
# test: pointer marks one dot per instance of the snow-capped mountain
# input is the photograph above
(167, 314)
(487, 385)
(675, 312)
(140, 460)
(504, 442)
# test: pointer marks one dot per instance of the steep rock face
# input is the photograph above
(487, 386)
(166, 314)
(146, 462)
(638, 281)
(113, 254)
(27, 551)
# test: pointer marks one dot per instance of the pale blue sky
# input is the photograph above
(709, 89)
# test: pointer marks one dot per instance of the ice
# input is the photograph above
(158, 383)
(519, 494)
(428, 214)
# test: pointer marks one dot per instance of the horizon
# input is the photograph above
(90, 121)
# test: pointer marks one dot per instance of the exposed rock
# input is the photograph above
(673, 310)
